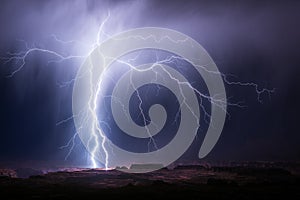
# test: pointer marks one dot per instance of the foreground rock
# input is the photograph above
(194, 182)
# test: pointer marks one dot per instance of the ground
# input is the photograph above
(182, 182)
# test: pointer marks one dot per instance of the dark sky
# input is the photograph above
(253, 41)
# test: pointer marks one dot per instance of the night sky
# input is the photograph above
(254, 42)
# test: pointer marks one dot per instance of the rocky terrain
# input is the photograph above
(194, 182)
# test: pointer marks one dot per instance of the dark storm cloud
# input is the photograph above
(254, 41)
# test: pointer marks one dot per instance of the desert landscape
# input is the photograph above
(246, 180)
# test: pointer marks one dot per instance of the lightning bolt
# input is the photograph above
(21, 57)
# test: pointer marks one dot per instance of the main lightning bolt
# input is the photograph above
(96, 131)
(20, 58)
